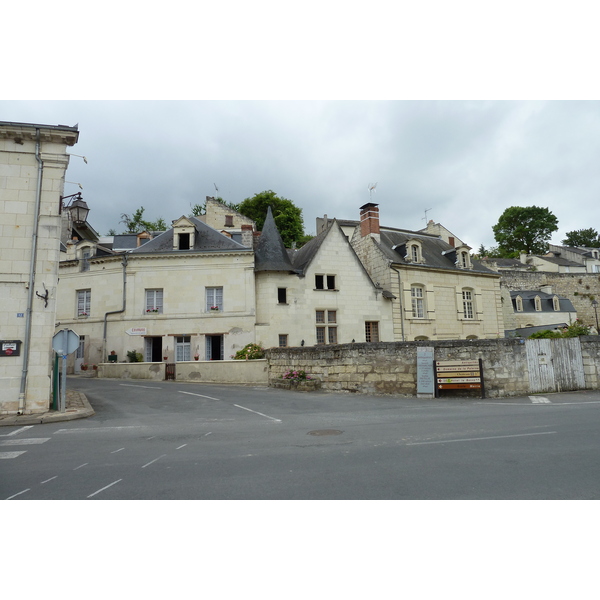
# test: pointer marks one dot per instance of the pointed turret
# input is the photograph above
(270, 253)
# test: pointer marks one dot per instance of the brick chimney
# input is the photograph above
(369, 219)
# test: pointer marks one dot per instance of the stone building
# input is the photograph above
(186, 293)
(33, 161)
(320, 294)
(438, 291)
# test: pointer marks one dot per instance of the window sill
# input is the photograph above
(325, 290)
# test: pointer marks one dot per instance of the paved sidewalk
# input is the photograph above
(77, 407)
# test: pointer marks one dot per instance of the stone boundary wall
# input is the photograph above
(391, 367)
(213, 371)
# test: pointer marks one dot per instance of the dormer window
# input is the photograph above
(519, 303)
(463, 258)
(183, 234)
(537, 303)
(414, 253)
(556, 303)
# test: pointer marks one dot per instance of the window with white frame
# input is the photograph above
(183, 348)
(214, 298)
(84, 298)
(538, 303)
(468, 304)
(326, 321)
(464, 260)
(418, 302)
(154, 302)
(414, 253)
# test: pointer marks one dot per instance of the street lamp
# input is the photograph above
(77, 207)
(595, 307)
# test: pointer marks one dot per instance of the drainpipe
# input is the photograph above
(31, 283)
(401, 304)
(116, 312)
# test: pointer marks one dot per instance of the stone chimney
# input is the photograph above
(369, 219)
(247, 236)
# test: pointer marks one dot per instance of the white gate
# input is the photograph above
(555, 365)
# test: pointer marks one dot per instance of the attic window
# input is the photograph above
(325, 282)
(538, 303)
(414, 253)
(556, 303)
(519, 303)
(228, 220)
(184, 241)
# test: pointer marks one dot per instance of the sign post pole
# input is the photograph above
(63, 381)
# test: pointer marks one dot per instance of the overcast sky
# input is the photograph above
(462, 162)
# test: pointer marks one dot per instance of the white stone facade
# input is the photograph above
(33, 161)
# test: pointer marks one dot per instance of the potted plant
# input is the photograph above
(196, 357)
(84, 367)
(214, 308)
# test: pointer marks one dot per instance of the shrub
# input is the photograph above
(249, 352)
(295, 375)
(134, 356)
(574, 330)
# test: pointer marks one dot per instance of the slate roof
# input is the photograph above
(557, 260)
(303, 256)
(436, 253)
(528, 297)
(270, 253)
(206, 239)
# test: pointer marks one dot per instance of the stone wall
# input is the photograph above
(580, 288)
(391, 368)
(249, 372)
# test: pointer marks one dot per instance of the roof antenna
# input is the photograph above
(216, 188)
(425, 217)
(372, 187)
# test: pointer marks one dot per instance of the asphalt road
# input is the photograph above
(171, 440)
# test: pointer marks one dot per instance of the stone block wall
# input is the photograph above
(391, 368)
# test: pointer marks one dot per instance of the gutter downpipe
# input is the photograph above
(401, 304)
(31, 282)
(116, 312)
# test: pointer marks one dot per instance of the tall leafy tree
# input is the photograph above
(288, 217)
(588, 238)
(524, 228)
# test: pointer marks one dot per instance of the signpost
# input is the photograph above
(458, 375)
(64, 342)
(425, 379)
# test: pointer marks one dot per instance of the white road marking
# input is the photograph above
(151, 438)
(23, 441)
(78, 429)
(119, 450)
(79, 467)
(207, 433)
(539, 400)
(153, 461)
(258, 413)
(17, 431)
(47, 480)
(11, 454)
(180, 447)
(18, 494)
(493, 437)
(200, 395)
(104, 488)
(146, 387)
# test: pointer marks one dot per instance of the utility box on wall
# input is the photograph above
(10, 347)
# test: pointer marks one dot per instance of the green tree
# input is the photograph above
(524, 228)
(136, 223)
(491, 252)
(588, 238)
(288, 217)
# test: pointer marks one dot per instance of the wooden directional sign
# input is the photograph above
(458, 375)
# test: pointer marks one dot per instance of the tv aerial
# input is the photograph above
(372, 187)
